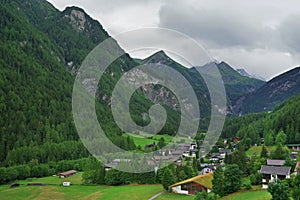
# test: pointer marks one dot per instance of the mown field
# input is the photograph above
(55, 190)
(249, 195)
(144, 139)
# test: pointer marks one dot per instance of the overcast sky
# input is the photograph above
(262, 37)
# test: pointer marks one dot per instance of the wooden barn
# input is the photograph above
(193, 185)
(67, 173)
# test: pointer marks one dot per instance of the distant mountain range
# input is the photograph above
(271, 94)
(243, 72)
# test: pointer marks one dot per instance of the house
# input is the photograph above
(67, 173)
(275, 162)
(193, 185)
(294, 155)
(207, 170)
(223, 152)
(271, 173)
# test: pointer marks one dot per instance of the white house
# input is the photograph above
(271, 173)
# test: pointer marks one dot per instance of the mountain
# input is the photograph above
(243, 72)
(236, 85)
(191, 75)
(271, 94)
(41, 50)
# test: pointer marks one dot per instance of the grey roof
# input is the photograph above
(275, 170)
(276, 162)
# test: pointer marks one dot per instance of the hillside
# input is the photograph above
(236, 85)
(41, 50)
(271, 94)
(255, 126)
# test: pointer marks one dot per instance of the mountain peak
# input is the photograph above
(158, 57)
(77, 16)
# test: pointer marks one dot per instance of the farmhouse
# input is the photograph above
(67, 173)
(193, 185)
(271, 173)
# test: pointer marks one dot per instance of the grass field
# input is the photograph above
(143, 139)
(170, 196)
(256, 150)
(55, 190)
(249, 195)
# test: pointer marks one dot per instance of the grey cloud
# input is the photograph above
(219, 27)
(290, 32)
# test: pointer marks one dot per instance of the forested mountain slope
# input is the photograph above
(271, 94)
(252, 127)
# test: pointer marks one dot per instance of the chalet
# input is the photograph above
(215, 158)
(271, 173)
(207, 170)
(275, 162)
(67, 173)
(223, 152)
(193, 185)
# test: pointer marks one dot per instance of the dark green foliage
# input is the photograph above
(205, 196)
(279, 190)
(113, 177)
(264, 152)
(256, 178)
(239, 158)
(284, 118)
(168, 179)
(281, 138)
(94, 173)
(296, 187)
(280, 152)
(227, 181)
(232, 179)
(217, 182)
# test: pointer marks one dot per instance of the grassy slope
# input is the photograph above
(142, 139)
(54, 190)
(250, 195)
(256, 150)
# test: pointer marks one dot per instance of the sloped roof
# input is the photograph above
(67, 173)
(276, 162)
(275, 170)
(204, 180)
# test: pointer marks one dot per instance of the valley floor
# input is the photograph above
(53, 189)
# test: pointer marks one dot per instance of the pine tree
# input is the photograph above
(217, 182)
(264, 152)
(279, 190)
(296, 187)
(168, 179)
(232, 179)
